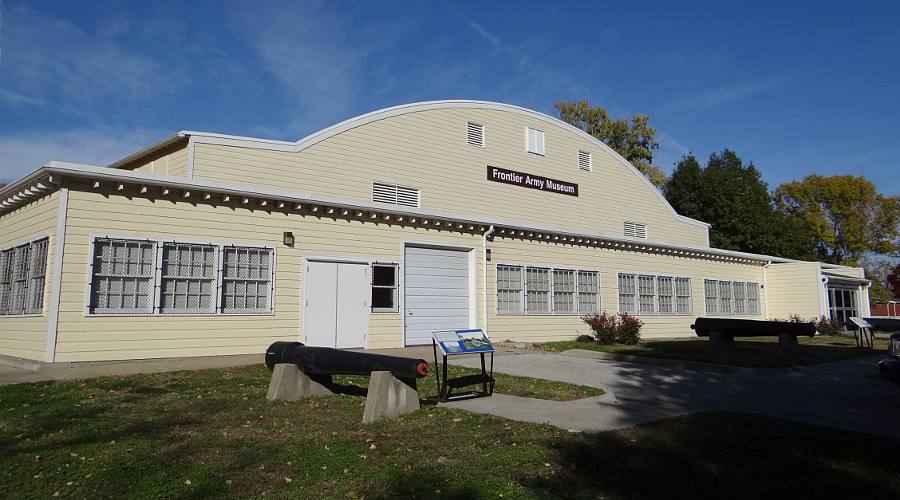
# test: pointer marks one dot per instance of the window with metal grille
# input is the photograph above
(122, 278)
(584, 161)
(34, 300)
(537, 290)
(740, 297)
(725, 303)
(564, 291)
(711, 296)
(588, 292)
(475, 134)
(753, 298)
(646, 294)
(665, 297)
(683, 296)
(6, 266)
(189, 279)
(385, 288)
(534, 139)
(509, 290)
(395, 195)
(635, 229)
(246, 280)
(19, 284)
(627, 293)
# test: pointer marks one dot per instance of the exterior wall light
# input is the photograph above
(288, 239)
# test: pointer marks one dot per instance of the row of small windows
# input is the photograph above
(726, 298)
(534, 143)
(648, 294)
(542, 290)
(146, 277)
(23, 275)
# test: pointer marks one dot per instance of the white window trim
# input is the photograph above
(524, 289)
(47, 281)
(543, 144)
(497, 310)
(690, 311)
(574, 291)
(634, 302)
(733, 312)
(396, 287)
(157, 276)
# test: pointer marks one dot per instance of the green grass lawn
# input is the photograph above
(211, 433)
(756, 352)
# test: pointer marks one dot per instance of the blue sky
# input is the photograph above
(800, 88)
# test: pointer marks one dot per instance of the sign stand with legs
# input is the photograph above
(456, 342)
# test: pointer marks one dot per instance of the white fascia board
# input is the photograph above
(109, 174)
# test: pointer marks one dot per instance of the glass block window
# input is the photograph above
(627, 293)
(665, 297)
(564, 291)
(122, 280)
(509, 290)
(385, 287)
(725, 298)
(683, 295)
(537, 290)
(246, 280)
(646, 294)
(588, 292)
(753, 298)
(740, 297)
(711, 296)
(189, 279)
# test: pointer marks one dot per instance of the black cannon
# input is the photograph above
(325, 361)
(722, 331)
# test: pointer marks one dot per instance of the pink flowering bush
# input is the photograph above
(614, 328)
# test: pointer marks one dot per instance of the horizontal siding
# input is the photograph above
(428, 150)
(793, 289)
(610, 262)
(171, 160)
(26, 337)
(85, 338)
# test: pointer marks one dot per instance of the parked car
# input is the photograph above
(890, 366)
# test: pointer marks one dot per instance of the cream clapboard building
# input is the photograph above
(371, 233)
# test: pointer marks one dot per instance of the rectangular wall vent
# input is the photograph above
(475, 134)
(534, 139)
(395, 195)
(635, 230)
(584, 160)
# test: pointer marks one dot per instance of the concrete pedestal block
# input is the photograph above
(290, 384)
(389, 397)
(788, 344)
(721, 341)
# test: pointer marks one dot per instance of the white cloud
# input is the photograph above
(16, 99)
(727, 93)
(21, 153)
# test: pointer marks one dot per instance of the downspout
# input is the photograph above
(766, 287)
(484, 311)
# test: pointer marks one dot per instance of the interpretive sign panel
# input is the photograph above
(462, 341)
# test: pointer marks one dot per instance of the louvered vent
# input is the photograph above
(395, 195)
(635, 230)
(475, 134)
(584, 160)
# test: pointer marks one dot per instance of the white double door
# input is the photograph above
(336, 304)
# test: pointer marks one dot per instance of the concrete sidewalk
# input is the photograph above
(845, 394)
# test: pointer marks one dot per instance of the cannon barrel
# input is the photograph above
(750, 327)
(328, 361)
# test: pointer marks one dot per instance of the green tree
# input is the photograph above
(846, 214)
(632, 138)
(879, 272)
(893, 280)
(733, 198)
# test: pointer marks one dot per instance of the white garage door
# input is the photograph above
(436, 285)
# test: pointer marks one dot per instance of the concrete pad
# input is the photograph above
(290, 384)
(389, 397)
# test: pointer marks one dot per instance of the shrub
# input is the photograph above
(584, 338)
(827, 326)
(603, 325)
(629, 329)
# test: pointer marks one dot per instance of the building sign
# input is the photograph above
(538, 182)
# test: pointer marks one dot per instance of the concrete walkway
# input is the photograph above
(845, 394)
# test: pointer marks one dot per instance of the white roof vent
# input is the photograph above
(395, 195)
(475, 134)
(584, 160)
(635, 229)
